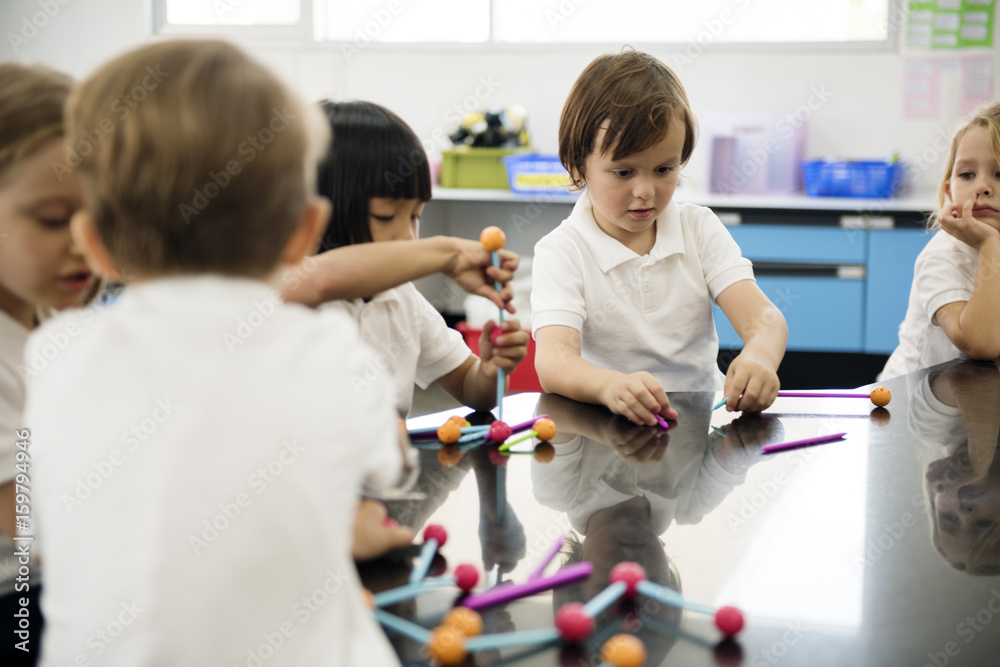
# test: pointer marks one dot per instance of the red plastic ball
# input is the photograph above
(450, 455)
(624, 651)
(500, 431)
(496, 333)
(492, 238)
(545, 428)
(466, 576)
(573, 623)
(437, 532)
(497, 457)
(881, 396)
(729, 620)
(628, 573)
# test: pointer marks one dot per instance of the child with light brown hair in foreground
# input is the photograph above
(196, 480)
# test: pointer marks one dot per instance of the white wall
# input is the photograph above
(862, 118)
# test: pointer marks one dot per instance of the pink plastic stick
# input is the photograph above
(547, 558)
(827, 394)
(767, 449)
(662, 422)
(527, 424)
(509, 592)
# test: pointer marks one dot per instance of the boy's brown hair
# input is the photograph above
(635, 96)
(193, 158)
(31, 110)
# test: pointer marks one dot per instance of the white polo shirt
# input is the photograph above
(412, 341)
(945, 272)
(640, 313)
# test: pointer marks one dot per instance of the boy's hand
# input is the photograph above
(638, 397)
(503, 350)
(964, 227)
(751, 384)
(473, 271)
(375, 533)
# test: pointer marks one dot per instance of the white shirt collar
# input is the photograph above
(609, 252)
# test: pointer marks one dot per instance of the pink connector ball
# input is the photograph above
(630, 574)
(437, 532)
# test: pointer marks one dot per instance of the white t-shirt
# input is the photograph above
(945, 272)
(640, 313)
(198, 454)
(412, 342)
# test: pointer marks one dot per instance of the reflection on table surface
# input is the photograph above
(879, 549)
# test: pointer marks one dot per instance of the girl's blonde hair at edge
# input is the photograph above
(986, 116)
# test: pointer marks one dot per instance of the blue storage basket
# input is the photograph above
(535, 173)
(852, 179)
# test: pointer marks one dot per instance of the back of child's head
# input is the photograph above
(31, 110)
(986, 117)
(372, 153)
(193, 158)
(634, 97)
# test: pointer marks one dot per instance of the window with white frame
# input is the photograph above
(536, 22)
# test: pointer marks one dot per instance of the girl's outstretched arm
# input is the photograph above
(752, 379)
(364, 269)
(973, 326)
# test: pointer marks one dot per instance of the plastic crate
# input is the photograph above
(524, 377)
(852, 179)
(467, 167)
(534, 173)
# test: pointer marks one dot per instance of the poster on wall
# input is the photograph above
(964, 84)
(950, 24)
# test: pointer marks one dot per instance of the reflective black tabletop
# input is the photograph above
(882, 548)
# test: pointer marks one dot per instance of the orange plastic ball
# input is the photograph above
(544, 452)
(450, 455)
(447, 646)
(465, 620)
(624, 651)
(545, 428)
(368, 598)
(492, 238)
(449, 432)
(880, 396)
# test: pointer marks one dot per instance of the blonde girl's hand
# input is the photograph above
(964, 227)
(473, 271)
(638, 397)
(503, 350)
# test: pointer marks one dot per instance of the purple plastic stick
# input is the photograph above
(662, 422)
(523, 425)
(510, 592)
(835, 394)
(547, 558)
(767, 449)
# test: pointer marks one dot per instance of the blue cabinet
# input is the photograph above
(839, 289)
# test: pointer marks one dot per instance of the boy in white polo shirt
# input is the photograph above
(198, 449)
(622, 289)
